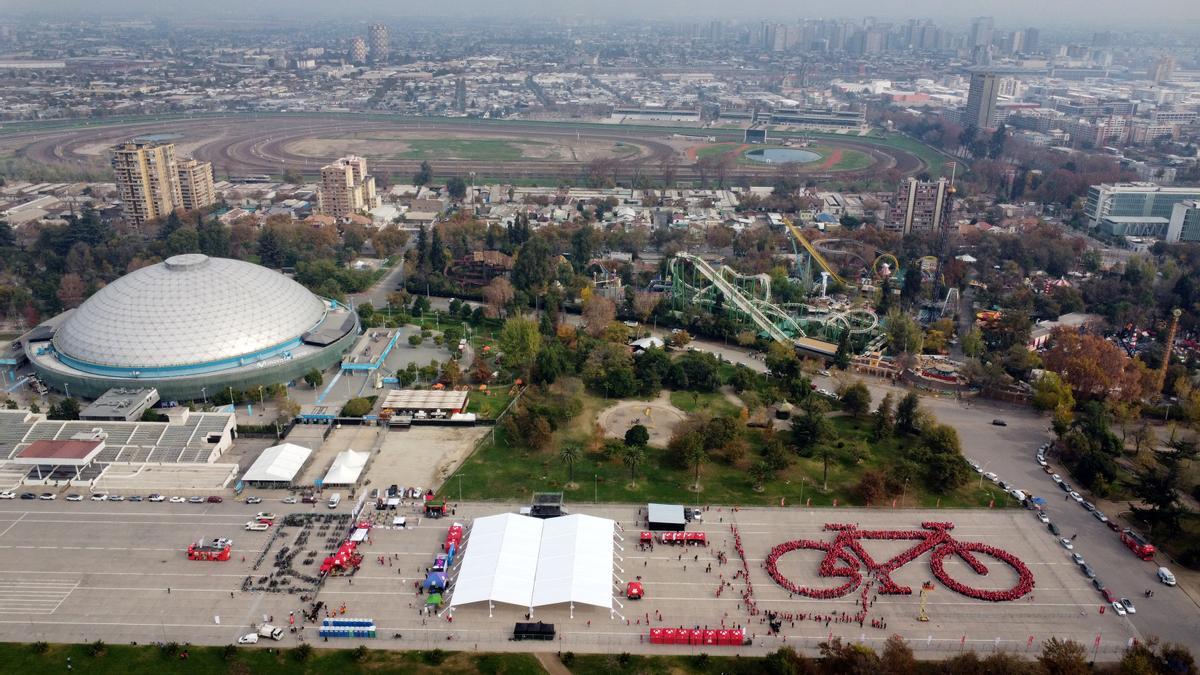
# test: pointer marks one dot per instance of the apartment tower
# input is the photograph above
(147, 181)
(346, 188)
(196, 184)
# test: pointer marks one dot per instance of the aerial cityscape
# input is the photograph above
(876, 328)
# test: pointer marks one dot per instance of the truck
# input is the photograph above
(1138, 544)
(268, 631)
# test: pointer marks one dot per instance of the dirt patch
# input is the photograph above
(659, 417)
(832, 160)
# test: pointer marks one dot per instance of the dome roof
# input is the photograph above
(188, 310)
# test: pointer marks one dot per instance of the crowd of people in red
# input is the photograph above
(843, 556)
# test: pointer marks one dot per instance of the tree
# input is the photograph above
(535, 265)
(841, 359)
(451, 373)
(631, 457)
(972, 343)
(856, 399)
(519, 342)
(498, 295)
(356, 407)
(1051, 393)
(1096, 368)
(904, 333)
(910, 290)
(696, 457)
(812, 426)
(71, 290)
(313, 378)
(457, 188)
(644, 305)
(1064, 657)
(884, 418)
(897, 657)
(679, 339)
(424, 175)
(637, 435)
(908, 413)
(760, 471)
(569, 454)
(415, 339)
(598, 312)
(65, 409)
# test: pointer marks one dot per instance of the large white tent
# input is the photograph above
(346, 468)
(278, 464)
(530, 562)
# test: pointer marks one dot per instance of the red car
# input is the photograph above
(213, 499)
(1107, 595)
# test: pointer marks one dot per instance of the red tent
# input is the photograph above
(647, 536)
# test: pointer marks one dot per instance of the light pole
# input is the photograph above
(982, 470)
(67, 385)
(231, 401)
(204, 395)
(904, 493)
(262, 403)
(595, 488)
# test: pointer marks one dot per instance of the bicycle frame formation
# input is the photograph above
(845, 557)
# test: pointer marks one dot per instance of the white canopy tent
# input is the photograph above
(346, 468)
(530, 562)
(278, 464)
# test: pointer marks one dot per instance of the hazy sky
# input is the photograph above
(1008, 13)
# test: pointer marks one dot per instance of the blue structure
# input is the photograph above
(347, 628)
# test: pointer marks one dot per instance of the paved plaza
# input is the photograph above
(85, 571)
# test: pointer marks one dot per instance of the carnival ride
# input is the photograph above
(872, 261)
(746, 298)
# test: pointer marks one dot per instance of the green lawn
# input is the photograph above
(126, 659)
(717, 149)
(489, 404)
(708, 664)
(852, 160)
(501, 471)
(481, 149)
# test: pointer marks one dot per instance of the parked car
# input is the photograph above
(1097, 584)
(1056, 478)
(256, 526)
(1065, 487)
(1113, 525)
(116, 498)
(1041, 516)
(1089, 506)
(248, 639)
(195, 499)
(1118, 608)
(1066, 543)
(135, 498)
(1100, 516)
(156, 498)
(213, 499)
(1088, 571)
(178, 500)
(1164, 574)
(1076, 496)
(999, 423)
(8, 494)
(47, 496)
(100, 497)
(1078, 559)
(1053, 529)
(289, 500)
(309, 498)
(253, 500)
(1128, 605)
(28, 495)
(74, 497)
(1108, 596)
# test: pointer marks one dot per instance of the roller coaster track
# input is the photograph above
(760, 311)
(812, 252)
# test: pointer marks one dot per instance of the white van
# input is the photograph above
(335, 499)
(1165, 576)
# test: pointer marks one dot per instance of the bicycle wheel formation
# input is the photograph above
(845, 558)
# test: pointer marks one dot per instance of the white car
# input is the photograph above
(1042, 517)
(1056, 478)
(178, 500)
(1067, 544)
(116, 498)
(992, 477)
(265, 515)
(289, 500)
(1118, 608)
(248, 639)
(255, 526)
(253, 500)
(74, 498)
(1042, 461)
(47, 496)
(100, 497)
(156, 498)
(1128, 605)
(1076, 496)
(8, 494)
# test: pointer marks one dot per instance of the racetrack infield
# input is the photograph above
(271, 144)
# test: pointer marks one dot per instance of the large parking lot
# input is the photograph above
(117, 571)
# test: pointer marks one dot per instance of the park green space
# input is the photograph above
(480, 149)
(500, 470)
(260, 660)
(851, 159)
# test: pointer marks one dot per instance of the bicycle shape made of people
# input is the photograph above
(846, 558)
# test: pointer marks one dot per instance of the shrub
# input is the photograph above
(97, 648)
(302, 652)
(360, 653)
(40, 647)
(434, 657)
(568, 658)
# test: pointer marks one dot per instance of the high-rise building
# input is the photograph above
(982, 28)
(379, 42)
(981, 100)
(1032, 41)
(921, 206)
(358, 50)
(146, 179)
(195, 184)
(1162, 69)
(346, 188)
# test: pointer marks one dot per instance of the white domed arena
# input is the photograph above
(191, 326)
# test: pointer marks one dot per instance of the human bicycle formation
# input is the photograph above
(845, 557)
